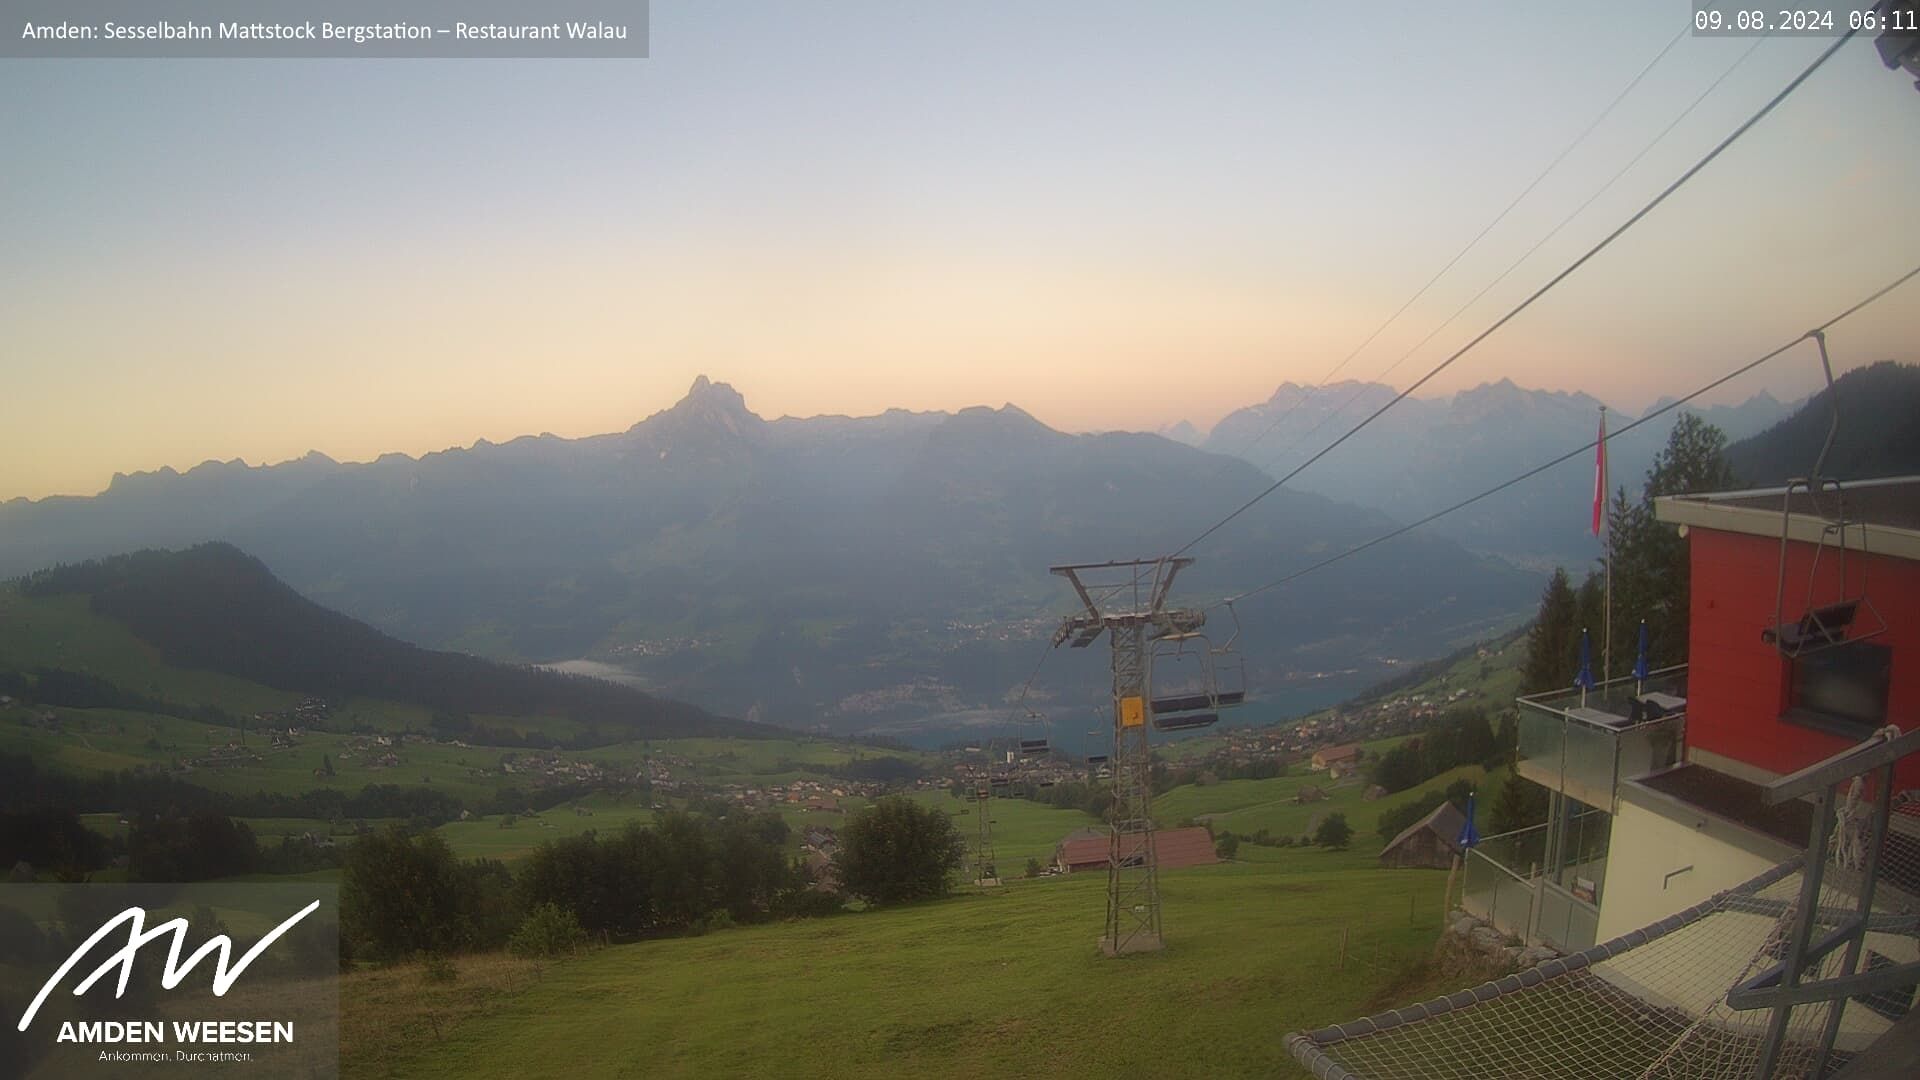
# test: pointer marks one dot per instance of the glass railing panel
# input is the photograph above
(1542, 737)
(1650, 747)
(1590, 761)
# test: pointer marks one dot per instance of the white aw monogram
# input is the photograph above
(138, 937)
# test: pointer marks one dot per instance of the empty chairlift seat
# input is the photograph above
(1193, 702)
(1196, 681)
(1032, 747)
(1185, 721)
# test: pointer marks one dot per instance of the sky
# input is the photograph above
(1115, 215)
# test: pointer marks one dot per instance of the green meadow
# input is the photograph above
(1247, 806)
(990, 983)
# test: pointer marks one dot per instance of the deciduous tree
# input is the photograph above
(898, 850)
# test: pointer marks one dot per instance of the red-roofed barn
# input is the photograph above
(1086, 849)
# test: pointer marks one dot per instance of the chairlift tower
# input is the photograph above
(1131, 609)
(984, 870)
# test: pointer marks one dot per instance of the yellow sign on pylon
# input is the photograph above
(1133, 712)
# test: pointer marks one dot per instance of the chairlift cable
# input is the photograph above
(1551, 283)
(1577, 451)
(1470, 245)
(1528, 254)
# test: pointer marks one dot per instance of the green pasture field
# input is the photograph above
(990, 983)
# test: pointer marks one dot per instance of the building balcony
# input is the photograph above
(1541, 883)
(1583, 744)
(1544, 883)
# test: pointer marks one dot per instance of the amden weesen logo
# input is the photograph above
(138, 937)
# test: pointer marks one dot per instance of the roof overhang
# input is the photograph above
(1749, 512)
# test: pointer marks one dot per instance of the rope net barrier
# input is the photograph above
(1653, 1003)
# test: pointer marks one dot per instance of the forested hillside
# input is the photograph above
(1879, 433)
(215, 608)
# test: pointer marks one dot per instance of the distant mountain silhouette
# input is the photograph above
(1425, 454)
(1879, 431)
(1183, 432)
(826, 570)
(213, 607)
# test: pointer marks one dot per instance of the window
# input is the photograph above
(1843, 688)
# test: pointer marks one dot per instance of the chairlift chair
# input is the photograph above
(1850, 617)
(1185, 721)
(1215, 679)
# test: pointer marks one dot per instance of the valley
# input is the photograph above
(832, 574)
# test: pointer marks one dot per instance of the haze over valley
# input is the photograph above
(885, 573)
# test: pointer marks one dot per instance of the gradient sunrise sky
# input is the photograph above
(1113, 215)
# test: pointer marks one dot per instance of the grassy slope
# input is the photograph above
(1022, 830)
(61, 632)
(991, 983)
(1247, 806)
(485, 838)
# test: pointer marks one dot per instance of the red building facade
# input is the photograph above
(1749, 703)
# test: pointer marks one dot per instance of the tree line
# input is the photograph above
(149, 792)
(1461, 736)
(404, 893)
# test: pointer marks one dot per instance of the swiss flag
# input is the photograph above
(1600, 476)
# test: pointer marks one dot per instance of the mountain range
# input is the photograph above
(831, 571)
(1426, 454)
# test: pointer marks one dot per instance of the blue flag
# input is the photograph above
(1640, 662)
(1584, 678)
(1469, 835)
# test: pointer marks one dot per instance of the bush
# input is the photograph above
(548, 930)
(1033, 868)
(402, 895)
(1226, 846)
(810, 904)
(1334, 832)
(898, 850)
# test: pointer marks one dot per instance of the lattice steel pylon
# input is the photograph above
(1131, 603)
(984, 870)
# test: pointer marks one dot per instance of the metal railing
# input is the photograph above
(1507, 886)
(1497, 896)
(1565, 921)
(1583, 744)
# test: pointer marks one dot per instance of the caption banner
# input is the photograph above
(319, 29)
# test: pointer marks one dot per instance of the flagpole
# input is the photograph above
(1606, 632)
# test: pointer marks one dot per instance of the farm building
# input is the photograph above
(1086, 849)
(1343, 757)
(1432, 841)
